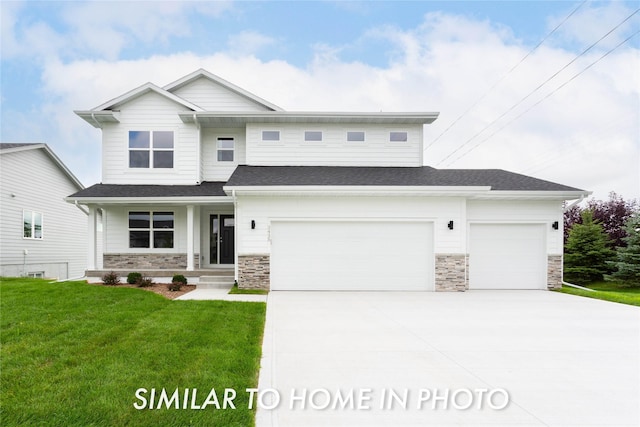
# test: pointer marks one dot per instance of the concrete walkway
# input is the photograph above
(444, 359)
(220, 294)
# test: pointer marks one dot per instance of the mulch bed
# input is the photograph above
(161, 288)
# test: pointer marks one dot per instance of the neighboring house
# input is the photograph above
(40, 234)
(201, 174)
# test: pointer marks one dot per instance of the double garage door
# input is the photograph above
(399, 256)
(350, 255)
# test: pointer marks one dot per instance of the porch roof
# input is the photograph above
(116, 192)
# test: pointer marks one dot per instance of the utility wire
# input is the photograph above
(535, 90)
(546, 97)
(504, 76)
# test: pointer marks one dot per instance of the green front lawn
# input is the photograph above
(608, 291)
(74, 354)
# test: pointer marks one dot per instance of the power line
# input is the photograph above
(535, 90)
(545, 97)
(504, 76)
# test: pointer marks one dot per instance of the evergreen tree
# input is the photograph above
(628, 258)
(586, 252)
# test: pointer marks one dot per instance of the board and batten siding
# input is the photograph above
(263, 210)
(334, 149)
(522, 212)
(32, 181)
(150, 112)
(212, 169)
(211, 96)
(116, 229)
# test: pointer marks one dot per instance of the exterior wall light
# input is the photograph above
(450, 225)
(555, 225)
(253, 224)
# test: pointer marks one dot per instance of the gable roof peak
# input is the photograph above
(141, 90)
(202, 73)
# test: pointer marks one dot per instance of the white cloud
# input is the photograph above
(585, 135)
(248, 43)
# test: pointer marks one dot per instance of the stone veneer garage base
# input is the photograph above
(450, 272)
(254, 271)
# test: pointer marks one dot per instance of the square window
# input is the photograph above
(163, 159)
(138, 159)
(398, 136)
(138, 239)
(225, 156)
(355, 136)
(163, 139)
(271, 135)
(139, 139)
(313, 135)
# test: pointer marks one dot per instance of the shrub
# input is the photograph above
(145, 282)
(133, 278)
(111, 279)
(174, 286)
(179, 278)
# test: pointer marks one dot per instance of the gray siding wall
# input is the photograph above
(30, 180)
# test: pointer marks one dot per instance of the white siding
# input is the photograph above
(213, 97)
(522, 212)
(264, 210)
(116, 229)
(334, 150)
(149, 112)
(32, 181)
(212, 169)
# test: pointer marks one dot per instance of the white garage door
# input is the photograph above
(349, 255)
(507, 256)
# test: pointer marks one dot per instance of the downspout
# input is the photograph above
(81, 208)
(93, 116)
(235, 239)
(198, 151)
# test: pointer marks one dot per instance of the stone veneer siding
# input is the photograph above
(450, 272)
(554, 272)
(254, 271)
(148, 261)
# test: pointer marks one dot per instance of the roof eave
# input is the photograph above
(315, 117)
(354, 190)
(174, 200)
(534, 195)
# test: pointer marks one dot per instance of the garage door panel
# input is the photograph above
(507, 256)
(346, 255)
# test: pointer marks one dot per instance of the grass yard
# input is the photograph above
(608, 291)
(74, 354)
(237, 291)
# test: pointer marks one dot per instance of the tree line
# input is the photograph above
(602, 241)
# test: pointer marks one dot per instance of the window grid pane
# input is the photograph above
(37, 225)
(27, 224)
(162, 139)
(138, 159)
(139, 139)
(163, 159)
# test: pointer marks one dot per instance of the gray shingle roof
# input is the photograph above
(116, 190)
(497, 179)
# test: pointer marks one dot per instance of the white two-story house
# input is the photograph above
(202, 175)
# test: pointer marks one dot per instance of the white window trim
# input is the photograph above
(271, 141)
(389, 141)
(233, 150)
(151, 230)
(33, 225)
(306, 141)
(364, 136)
(151, 150)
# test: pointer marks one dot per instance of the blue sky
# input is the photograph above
(346, 56)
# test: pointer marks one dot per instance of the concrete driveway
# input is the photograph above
(420, 359)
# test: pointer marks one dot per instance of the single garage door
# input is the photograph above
(349, 255)
(507, 256)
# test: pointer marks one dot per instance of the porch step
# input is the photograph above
(216, 282)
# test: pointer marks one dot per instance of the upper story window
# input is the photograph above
(271, 135)
(151, 229)
(353, 136)
(225, 149)
(151, 149)
(398, 136)
(31, 225)
(313, 135)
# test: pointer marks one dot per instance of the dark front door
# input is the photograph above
(227, 239)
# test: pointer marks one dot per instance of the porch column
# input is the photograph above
(92, 228)
(190, 266)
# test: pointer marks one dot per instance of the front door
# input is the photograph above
(221, 239)
(227, 239)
